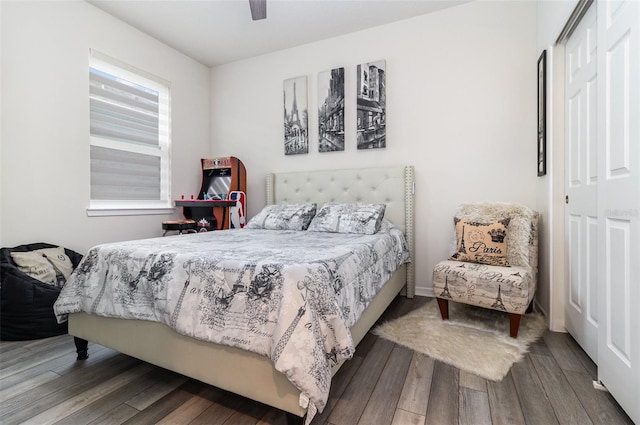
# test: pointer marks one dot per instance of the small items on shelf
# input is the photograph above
(221, 201)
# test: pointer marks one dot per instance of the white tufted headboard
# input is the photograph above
(393, 186)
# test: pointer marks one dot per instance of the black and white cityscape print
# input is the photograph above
(371, 100)
(331, 110)
(296, 135)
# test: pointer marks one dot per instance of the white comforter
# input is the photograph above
(288, 295)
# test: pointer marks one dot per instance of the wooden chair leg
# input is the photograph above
(444, 308)
(530, 308)
(514, 324)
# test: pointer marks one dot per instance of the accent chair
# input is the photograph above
(494, 260)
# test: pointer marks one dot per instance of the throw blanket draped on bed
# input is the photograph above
(288, 295)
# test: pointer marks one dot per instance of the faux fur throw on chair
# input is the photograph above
(519, 231)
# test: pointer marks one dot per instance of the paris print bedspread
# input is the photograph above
(288, 295)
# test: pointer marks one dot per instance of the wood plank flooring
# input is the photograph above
(384, 384)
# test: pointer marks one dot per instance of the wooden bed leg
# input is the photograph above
(514, 324)
(294, 419)
(444, 308)
(81, 348)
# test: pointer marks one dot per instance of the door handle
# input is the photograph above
(566, 199)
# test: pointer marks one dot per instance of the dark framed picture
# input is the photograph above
(371, 95)
(331, 110)
(296, 136)
(542, 114)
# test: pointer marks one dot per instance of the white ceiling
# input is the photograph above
(215, 32)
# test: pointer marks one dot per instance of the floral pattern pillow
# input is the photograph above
(483, 243)
(283, 217)
(348, 218)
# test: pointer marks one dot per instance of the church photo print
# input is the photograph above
(296, 135)
(371, 100)
(331, 110)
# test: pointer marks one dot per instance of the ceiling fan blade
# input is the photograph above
(258, 9)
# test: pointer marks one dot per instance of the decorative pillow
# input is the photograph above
(385, 226)
(48, 265)
(36, 266)
(519, 234)
(283, 217)
(348, 218)
(59, 260)
(484, 243)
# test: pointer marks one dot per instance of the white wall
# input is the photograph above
(45, 121)
(461, 108)
(551, 18)
(0, 125)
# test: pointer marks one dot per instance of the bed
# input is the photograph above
(245, 372)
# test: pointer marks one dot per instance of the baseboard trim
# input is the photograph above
(424, 292)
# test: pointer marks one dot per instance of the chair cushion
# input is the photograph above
(509, 289)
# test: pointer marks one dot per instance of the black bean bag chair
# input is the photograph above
(26, 304)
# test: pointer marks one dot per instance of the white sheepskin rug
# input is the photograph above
(474, 339)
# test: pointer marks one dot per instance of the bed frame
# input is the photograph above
(247, 373)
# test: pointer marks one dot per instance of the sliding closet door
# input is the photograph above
(581, 217)
(619, 201)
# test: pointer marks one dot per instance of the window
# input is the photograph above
(130, 139)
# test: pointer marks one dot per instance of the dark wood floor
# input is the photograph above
(41, 383)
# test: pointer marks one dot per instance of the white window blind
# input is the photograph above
(130, 137)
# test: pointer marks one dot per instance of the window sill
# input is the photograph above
(107, 212)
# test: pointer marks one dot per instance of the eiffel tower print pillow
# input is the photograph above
(484, 243)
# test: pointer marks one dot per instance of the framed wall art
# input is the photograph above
(296, 135)
(371, 98)
(331, 110)
(542, 114)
